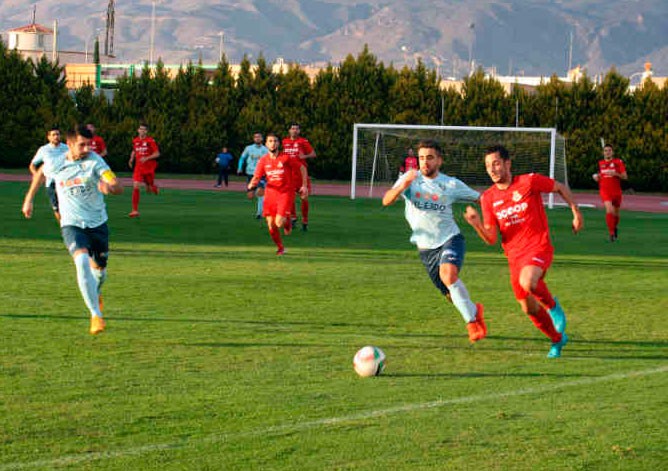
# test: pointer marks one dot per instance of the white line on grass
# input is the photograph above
(331, 421)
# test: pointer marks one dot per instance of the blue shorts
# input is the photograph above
(53, 196)
(93, 239)
(451, 252)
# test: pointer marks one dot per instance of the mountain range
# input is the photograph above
(515, 37)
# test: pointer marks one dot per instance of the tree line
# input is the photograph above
(193, 115)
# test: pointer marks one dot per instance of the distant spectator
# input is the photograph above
(223, 160)
(410, 162)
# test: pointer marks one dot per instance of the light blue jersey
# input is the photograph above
(429, 208)
(81, 203)
(48, 153)
(250, 157)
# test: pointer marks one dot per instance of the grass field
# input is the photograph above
(218, 355)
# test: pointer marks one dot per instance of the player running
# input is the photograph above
(144, 157)
(299, 149)
(611, 171)
(429, 196)
(82, 178)
(278, 169)
(54, 150)
(247, 163)
(514, 205)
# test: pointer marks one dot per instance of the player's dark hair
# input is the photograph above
(609, 145)
(53, 128)
(143, 125)
(273, 134)
(430, 144)
(498, 148)
(295, 123)
(80, 130)
(257, 132)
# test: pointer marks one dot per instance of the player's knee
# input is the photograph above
(528, 284)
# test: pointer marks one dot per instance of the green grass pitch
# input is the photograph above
(218, 355)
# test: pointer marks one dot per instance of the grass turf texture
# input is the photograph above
(219, 355)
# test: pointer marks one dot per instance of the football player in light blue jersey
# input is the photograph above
(429, 196)
(247, 163)
(53, 151)
(82, 179)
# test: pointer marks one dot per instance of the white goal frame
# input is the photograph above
(359, 126)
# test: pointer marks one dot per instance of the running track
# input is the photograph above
(645, 203)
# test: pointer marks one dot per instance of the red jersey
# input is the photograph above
(607, 183)
(144, 148)
(519, 214)
(293, 147)
(410, 163)
(278, 171)
(97, 145)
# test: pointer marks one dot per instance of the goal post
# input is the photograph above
(379, 151)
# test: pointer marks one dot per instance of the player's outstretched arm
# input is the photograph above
(37, 181)
(132, 159)
(393, 194)
(487, 233)
(567, 195)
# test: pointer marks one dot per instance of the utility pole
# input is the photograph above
(109, 33)
(222, 35)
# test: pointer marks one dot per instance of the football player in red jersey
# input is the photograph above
(513, 205)
(278, 169)
(300, 149)
(97, 144)
(144, 157)
(611, 171)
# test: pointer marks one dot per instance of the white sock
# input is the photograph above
(87, 283)
(260, 204)
(100, 276)
(462, 301)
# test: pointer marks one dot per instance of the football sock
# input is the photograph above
(87, 283)
(543, 321)
(462, 301)
(616, 222)
(276, 236)
(260, 204)
(542, 294)
(100, 276)
(305, 211)
(135, 199)
(610, 221)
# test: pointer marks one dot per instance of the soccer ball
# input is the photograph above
(369, 361)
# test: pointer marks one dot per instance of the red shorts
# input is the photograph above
(142, 175)
(615, 199)
(542, 260)
(277, 203)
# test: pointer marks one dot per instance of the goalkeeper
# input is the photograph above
(429, 196)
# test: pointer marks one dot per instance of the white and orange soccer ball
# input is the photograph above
(369, 361)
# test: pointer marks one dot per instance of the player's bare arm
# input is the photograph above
(35, 184)
(310, 155)
(132, 159)
(303, 191)
(153, 156)
(109, 184)
(567, 195)
(392, 194)
(487, 233)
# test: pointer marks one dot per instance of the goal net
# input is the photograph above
(379, 152)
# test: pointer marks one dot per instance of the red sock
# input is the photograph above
(294, 210)
(543, 321)
(276, 236)
(287, 225)
(542, 294)
(135, 199)
(610, 221)
(305, 211)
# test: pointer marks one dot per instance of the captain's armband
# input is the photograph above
(108, 176)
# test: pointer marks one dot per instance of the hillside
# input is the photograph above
(528, 36)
